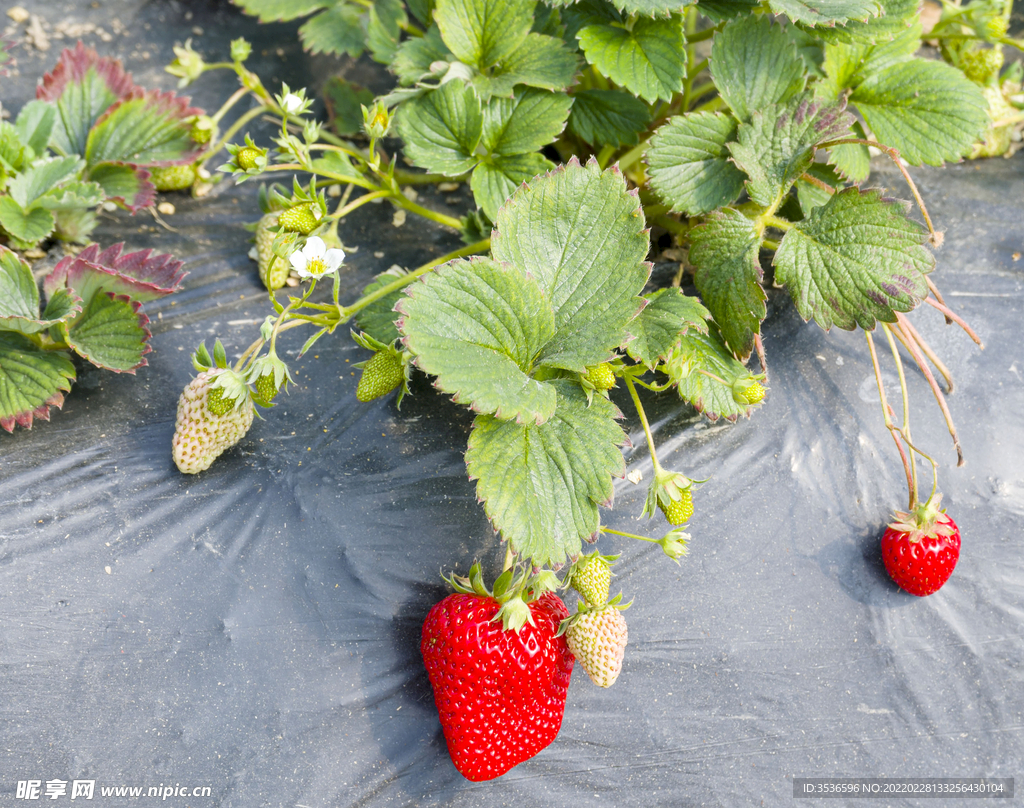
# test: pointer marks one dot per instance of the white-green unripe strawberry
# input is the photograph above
(173, 178)
(598, 641)
(301, 218)
(273, 272)
(202, 433)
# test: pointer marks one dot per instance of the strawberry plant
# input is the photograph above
(739, 133)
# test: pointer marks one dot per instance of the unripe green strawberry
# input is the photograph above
(246, 158)
(981, 65)
(995, 28)
(754, 394)
(601, 376)
(997, 138)
(591, 578)
(173, 178)
(679, 510)
(199, 133)
(598, 641)
(382, 374)
(217, 404)
(266, 388)
(299, 218)
(201, 435)
(272, 273)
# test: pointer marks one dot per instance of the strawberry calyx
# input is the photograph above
(667, 490)
(583, 608)
(923, 522)
(513, 592)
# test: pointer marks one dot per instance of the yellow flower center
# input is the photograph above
(316, 266)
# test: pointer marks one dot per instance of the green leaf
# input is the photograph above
(338, 30)
(378, 319)
(825, 13)
(652, 8)
(384, 29)
(721, 10)
(778, 145)
(706, 352)
(646, 60)
(755, 64)
(422, 10)
(82, 86)
(149, 130)
(336, 165)
(124, 183)
(28, 226)
(527, 122)
(855, 260)
(111, 333)
(578, 15)
(281, 10)
(580, 233)
(478, 326)
(72, 196)
(688, 162)
(31, 381)
(483, 32)
(926, 109)
(541, 61)
(496, 178)
(725, 252)
(344, 101)
(13, 154)
(19, 295)
(608, 117)
(669, 314)
(35, 124)
(28, 186)
(847, 65)
(441, 129)
(541, 485)
(415, 56)
(896, 17)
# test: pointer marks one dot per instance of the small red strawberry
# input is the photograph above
(500, 693)
(921, 548)
(597, 638)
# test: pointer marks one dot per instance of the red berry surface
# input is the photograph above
(500, 695)
(921, 567)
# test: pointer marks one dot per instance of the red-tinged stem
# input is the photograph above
(915, 351)
(888, 415)
(894, 155)
(913, 333)
(812, 180)
(938, 295)
(935, 304)
(759, 347)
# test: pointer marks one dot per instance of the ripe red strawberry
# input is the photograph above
(598, 640)
(920, 549)
(500, 694)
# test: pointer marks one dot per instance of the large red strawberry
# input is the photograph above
(500, 693)
(921, 548)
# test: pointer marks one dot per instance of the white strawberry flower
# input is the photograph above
(291, 103)
(315, 260)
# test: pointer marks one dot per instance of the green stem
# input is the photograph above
(628, 535)
(886, 409)
(232, 131)
(628, 378)
(906, 413)
(771, 220)
(441, 218)
(632, 156)
(700, 36)
(342, 212)
(676, 228)
(236, 96)
(605, 155)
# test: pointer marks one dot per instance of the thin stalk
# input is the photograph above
(906, 408)
(894, 155)
(232, 100)
(915, 351)
(633, 156)
(676, 228)
(759, 346)
(812, 180)
(712, 376)
(700, 36)
(643, 420)
(231, 132)
(345, 210)
(510, 558)
(938, 295)
(913, 333)
(612, 532)
(956, 319)
(886, 410)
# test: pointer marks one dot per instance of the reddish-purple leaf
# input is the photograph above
(140, 275)
(125, 183)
